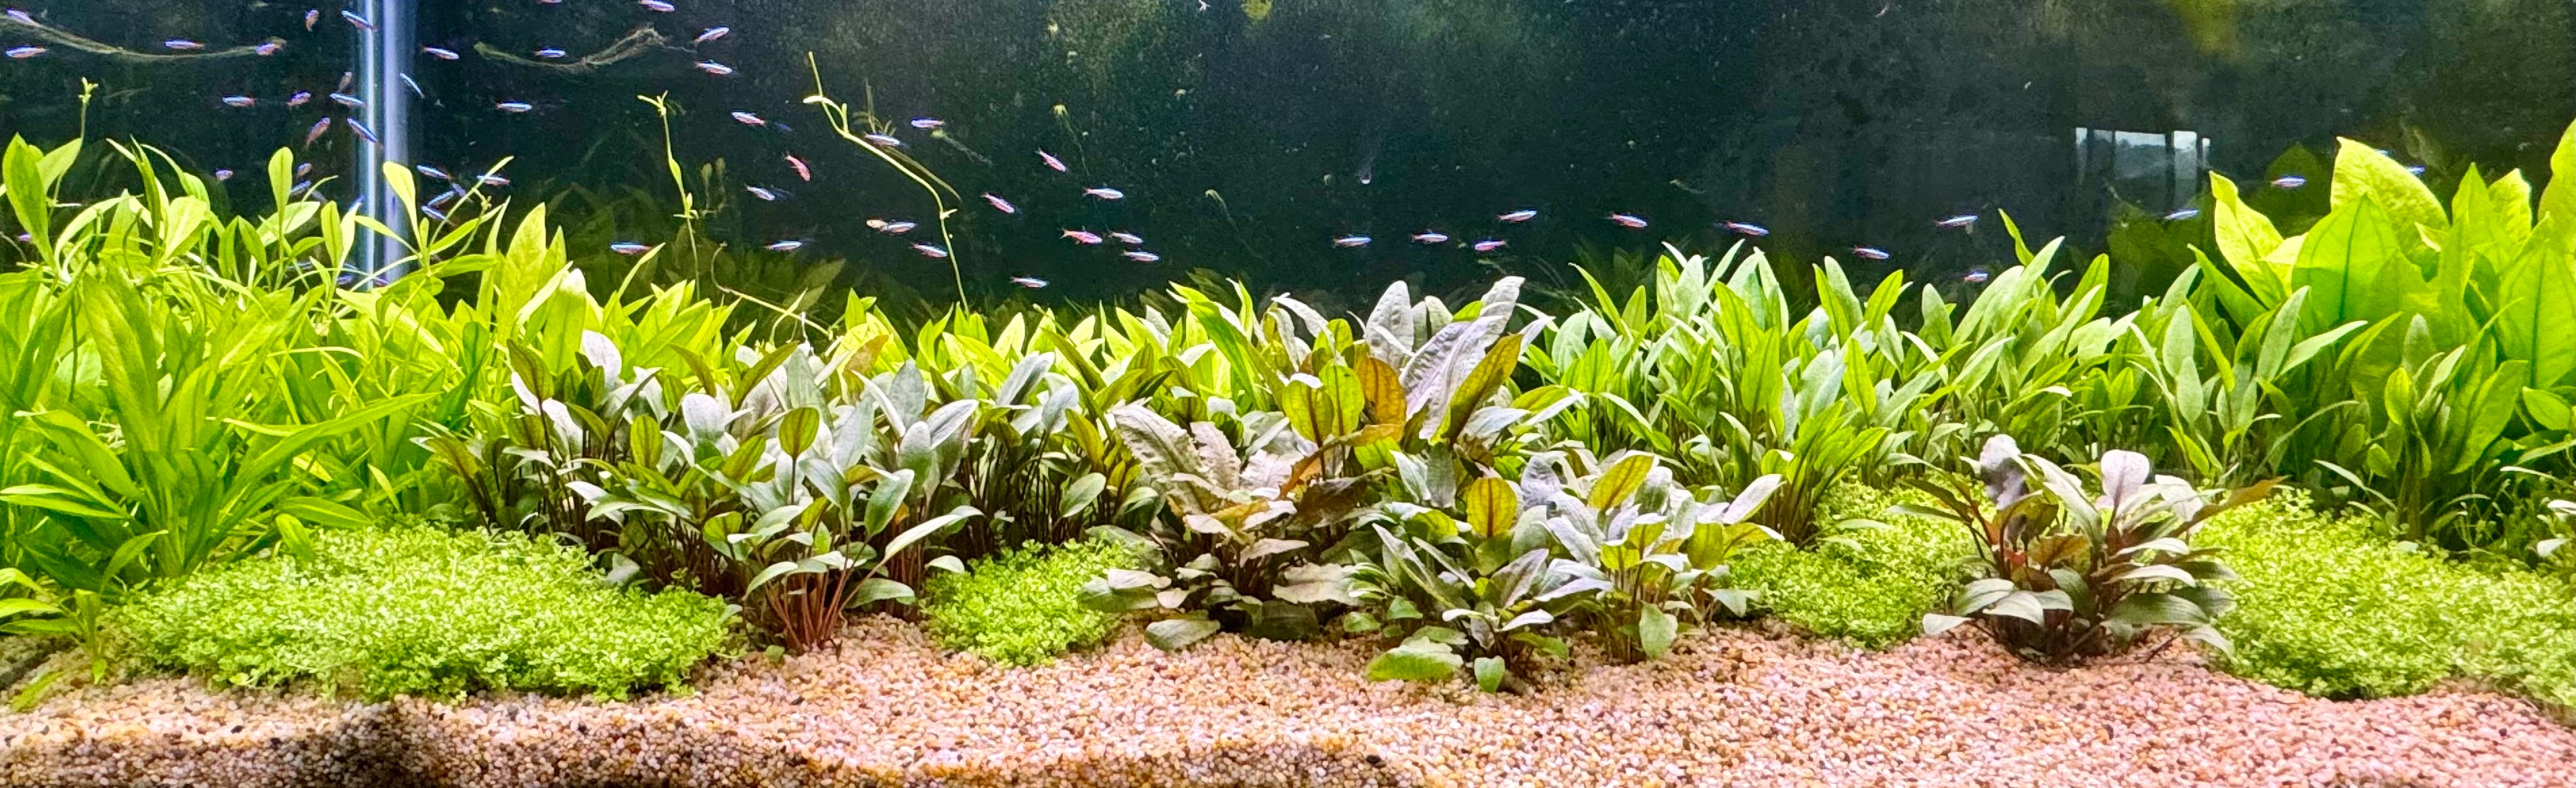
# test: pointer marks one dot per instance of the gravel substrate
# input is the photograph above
(1734, 708)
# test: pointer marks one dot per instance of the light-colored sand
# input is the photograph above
(1735, 708)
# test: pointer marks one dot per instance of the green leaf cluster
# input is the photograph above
(2328, 607)
(1868, 586)
(1022, 606)
(422, 611)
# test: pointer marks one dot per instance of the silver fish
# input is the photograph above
(1104, 193)
(1961, 220)
(1351, 241)
(1522, 215)
(1029, 282)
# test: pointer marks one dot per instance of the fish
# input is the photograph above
(1628, 221)
(2289, 182)
(492, 179)
(363, 132)
(2414, 169)
(930, 251)
(346, 77)
(346, 100)
(1084, 237)
(803, 173)
(2184, 214)
(268, 47)
(1104, 193)
(433, 213)
(1870, 253)
(1130, 239)
(1051, 161)
(552, 53)
(711, 34)
(712, 67)
(926, 124)
(1141, 256)
(655, 6)
(182, 44)
(883, 140)
(22, 53)
(629, 247)
(784, 246)
(415, 86)
(1351, 241)
(1516, 217)
(1976, 276)
(299, 98)
(514, 107)
(239, 101)
(21, 16)
(441, 53)
(303, 169)
(765, 195)
(1489, 244)
(445, 197)
(223, 175)
(897, 228)
(1029, 282)
(357, 20)
(748, 119)
(315, 133)
(1431, 237)
(311, 15)
(1000, 204)
(1747, 229)
(1961, 220)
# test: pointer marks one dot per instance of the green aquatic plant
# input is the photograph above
(2069, 574)
(839, 116)
(2328, 606)
(1021, 606)
(422, 611)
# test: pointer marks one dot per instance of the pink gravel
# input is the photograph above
(1733, 708)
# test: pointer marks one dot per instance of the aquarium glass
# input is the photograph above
(1319, 146)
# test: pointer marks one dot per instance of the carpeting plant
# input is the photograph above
(1022, 606)
(1866, 586)
(421, 611)
(2329, 607)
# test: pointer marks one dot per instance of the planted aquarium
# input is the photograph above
(1288, 392)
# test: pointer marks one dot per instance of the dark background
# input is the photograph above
(1833, 122)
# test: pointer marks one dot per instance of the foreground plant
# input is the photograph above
(2071, 575)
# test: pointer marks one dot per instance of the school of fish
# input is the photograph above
(882, 134)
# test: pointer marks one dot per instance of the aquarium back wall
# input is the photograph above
(1248, 137)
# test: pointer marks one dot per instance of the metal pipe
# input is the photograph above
(384, 58)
